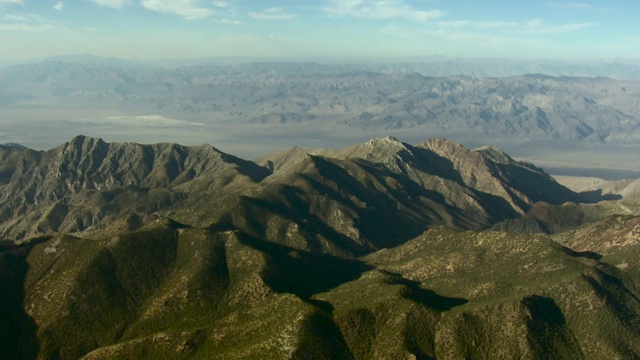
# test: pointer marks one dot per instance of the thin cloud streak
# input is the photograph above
(538, 26)
(477, 24)
(188, 9)
(220, 4)
(410, 27)
(24, 27)
(532, 27)
(25, 23)
(115, 4)
(228, 21)
(573, 5)
(15, 17)
(273, 13)
(380, 10)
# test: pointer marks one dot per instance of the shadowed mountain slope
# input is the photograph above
(170, 291)
(335, 200)
(380, 194)
(500, 296)
(376, 251)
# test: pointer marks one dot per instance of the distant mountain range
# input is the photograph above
(378, 250)
(628, 69)
(589, 120)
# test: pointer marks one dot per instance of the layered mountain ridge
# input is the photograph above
(382, 250)
(469, 189)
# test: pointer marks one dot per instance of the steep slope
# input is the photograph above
(83, 182)
(167, 291)
(352, 201)
(380, 194)
(170, 291)
(491, 170)
(506, 296)
(632, 188)
(615, 235)
(280, 160)
(548, 218)
(373, 251)
(610, 229)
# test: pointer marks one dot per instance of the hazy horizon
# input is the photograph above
(190, 29)
(49, 104)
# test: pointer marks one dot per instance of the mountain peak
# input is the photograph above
(494, 153)
(385, 139)
(83, 144)
(386, 142)
(442, 143)
(378, 149)
(276, 161)
(80, 139)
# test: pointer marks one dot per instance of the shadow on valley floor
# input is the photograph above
(583, 254)
(302, 273)
(18, 331)
(548, 332)
(596, 196)
(305, 274)
(424, 296)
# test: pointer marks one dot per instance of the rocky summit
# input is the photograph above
(382, 250)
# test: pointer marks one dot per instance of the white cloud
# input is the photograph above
(24, 27)
(220, 4)
(571, 5)
(116, 4)
(538, 26)
(58, 6)
(228, 21)
(188, 9)
(25, 22)
(272, 13)
(380, 9)
(16, 17)
(477, 24)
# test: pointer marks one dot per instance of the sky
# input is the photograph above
(379, 29)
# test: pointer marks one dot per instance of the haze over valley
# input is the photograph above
(253, 109)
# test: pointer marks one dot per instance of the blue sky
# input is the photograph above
(156, 29)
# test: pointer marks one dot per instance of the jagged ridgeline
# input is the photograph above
(378, 251)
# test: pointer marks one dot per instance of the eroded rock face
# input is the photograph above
(79, 184)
